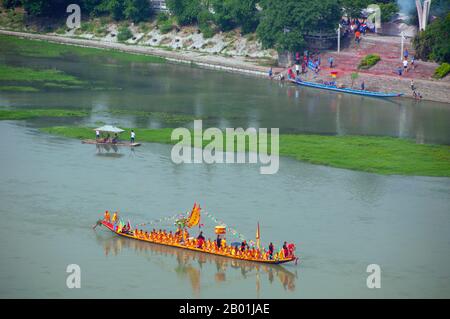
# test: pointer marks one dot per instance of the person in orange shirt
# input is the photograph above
(357, 36)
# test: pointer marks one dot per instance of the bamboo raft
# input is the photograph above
(179, 245)
(119, 143)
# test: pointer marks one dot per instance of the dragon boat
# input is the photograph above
(181, 240)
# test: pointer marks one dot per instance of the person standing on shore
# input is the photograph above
(363, 86)
(270, 73)
(97, 135)
(413, 87)
(405, 65)
(330, 61)
(357, 36)
(297, 69)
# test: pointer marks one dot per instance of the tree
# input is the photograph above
(246, 15)
(229, 14)
(434, 42)
(48, 8)
(353, 8)
(11, 3)
(137, 10)
(284, 23)
(186, 11)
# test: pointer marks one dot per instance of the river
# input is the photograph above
(54, 189)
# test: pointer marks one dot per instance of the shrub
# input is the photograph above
(166, 26)
(162, 17)
(369, 61)
(388, 11)
(124, 34)
(207, 31)
(442, 70)
(434, 42)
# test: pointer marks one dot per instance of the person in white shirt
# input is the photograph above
(97, 134)
(133, 136)
(405, 65)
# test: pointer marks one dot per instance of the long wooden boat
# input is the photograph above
(345, 90)
(274, 261)
(119, 143)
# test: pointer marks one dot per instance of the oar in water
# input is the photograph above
(98, 223)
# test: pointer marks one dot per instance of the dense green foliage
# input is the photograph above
(382, 155)
(388, 10)
(281, 24)
(442, 71)
(135, 10)
(284, 23)
(369, 61)
(434, 42)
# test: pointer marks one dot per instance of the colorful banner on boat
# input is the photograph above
(194, 217)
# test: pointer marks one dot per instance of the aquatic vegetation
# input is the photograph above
(381, 155)
(37, 48)
(34, 113)
(22, 74)
(16, 88)
(166, 117)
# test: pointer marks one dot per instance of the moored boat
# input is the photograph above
(344, 90)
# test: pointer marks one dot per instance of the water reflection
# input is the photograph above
(192, 265)
(106, 150)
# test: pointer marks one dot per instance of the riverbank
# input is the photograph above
(373, 154)
(376, 79)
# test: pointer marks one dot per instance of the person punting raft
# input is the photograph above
(181, 238)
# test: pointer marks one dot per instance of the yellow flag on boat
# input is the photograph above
(258, 237)
(194, 217)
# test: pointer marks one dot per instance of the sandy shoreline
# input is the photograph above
(432, 90)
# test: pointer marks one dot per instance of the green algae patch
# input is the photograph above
(45, 49)
(35, 113)
(373, 154)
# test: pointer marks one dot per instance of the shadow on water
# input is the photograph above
(191, 264)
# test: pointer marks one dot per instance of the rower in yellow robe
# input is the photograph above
(107, 216)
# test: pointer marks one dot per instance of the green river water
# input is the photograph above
(54, 189)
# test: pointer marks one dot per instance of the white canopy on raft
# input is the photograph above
(109, 129)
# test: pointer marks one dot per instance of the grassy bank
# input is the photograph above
(34, 113)
(381, 155)
(35, 48)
